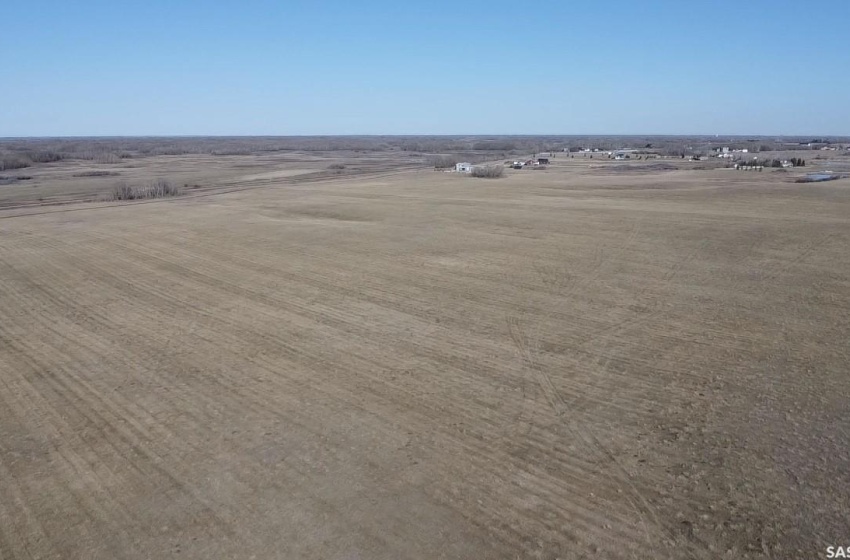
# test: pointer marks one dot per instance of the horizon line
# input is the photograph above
(419, 135)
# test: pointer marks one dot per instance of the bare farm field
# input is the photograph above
(390, 362)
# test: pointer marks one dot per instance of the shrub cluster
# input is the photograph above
(107, 157)
(444, 162)
(97, 174)
(755, 162)
(12, 162)
(488, 171)
(160, 188)
(45, 156)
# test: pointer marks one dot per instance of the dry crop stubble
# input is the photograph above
(410, 364)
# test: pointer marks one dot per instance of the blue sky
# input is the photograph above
(183, 67)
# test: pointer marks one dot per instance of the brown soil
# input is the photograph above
(414, 364)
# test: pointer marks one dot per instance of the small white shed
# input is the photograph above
(463, 167)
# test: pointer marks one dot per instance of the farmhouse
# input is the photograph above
(463, 167)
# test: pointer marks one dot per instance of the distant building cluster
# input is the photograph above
(519, 164)
(726, 152)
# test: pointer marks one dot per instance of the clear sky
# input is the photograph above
(206, 67)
